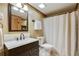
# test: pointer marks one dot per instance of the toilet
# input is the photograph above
(46, 49)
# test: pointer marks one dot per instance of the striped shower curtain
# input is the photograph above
(60, 32)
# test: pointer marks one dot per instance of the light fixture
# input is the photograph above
(25, 7)
(19, 5)
(22, 11)
(42, 5)
(15, 8)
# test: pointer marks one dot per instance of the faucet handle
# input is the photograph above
(20, 38)
(17, 39)
(23, 37)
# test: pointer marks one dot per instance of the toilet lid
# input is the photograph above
(46, 46)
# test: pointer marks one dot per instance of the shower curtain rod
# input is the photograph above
(76, 6)
(60, 13)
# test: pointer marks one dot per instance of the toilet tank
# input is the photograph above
(41, 40)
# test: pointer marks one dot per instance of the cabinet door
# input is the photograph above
(34, 51)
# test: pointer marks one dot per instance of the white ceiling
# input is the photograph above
(54, 7)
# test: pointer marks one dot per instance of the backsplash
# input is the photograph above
(14, 36)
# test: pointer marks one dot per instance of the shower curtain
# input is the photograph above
(73, 33)
(60, 32)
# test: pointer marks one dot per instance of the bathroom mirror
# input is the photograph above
(18, 18)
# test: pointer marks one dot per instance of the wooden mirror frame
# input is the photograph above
(9, 21)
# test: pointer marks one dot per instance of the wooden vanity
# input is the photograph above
(31, 49)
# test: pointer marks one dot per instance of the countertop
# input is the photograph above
(14, 43)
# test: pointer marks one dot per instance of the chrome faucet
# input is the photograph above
(22, 36)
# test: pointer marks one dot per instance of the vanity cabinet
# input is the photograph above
(1, 52)
(31, 49)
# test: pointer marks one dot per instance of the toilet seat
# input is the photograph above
(46, 46)
(50, 49)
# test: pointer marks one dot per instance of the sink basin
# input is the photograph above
(14, 43)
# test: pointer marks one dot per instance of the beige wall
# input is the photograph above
(32, 14)
(3, 10)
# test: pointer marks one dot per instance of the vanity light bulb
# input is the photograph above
(15, 8)
(42, 5)
(25, 8)
(21, 11)
(19, 5)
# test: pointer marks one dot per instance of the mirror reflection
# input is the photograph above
(19, 18)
